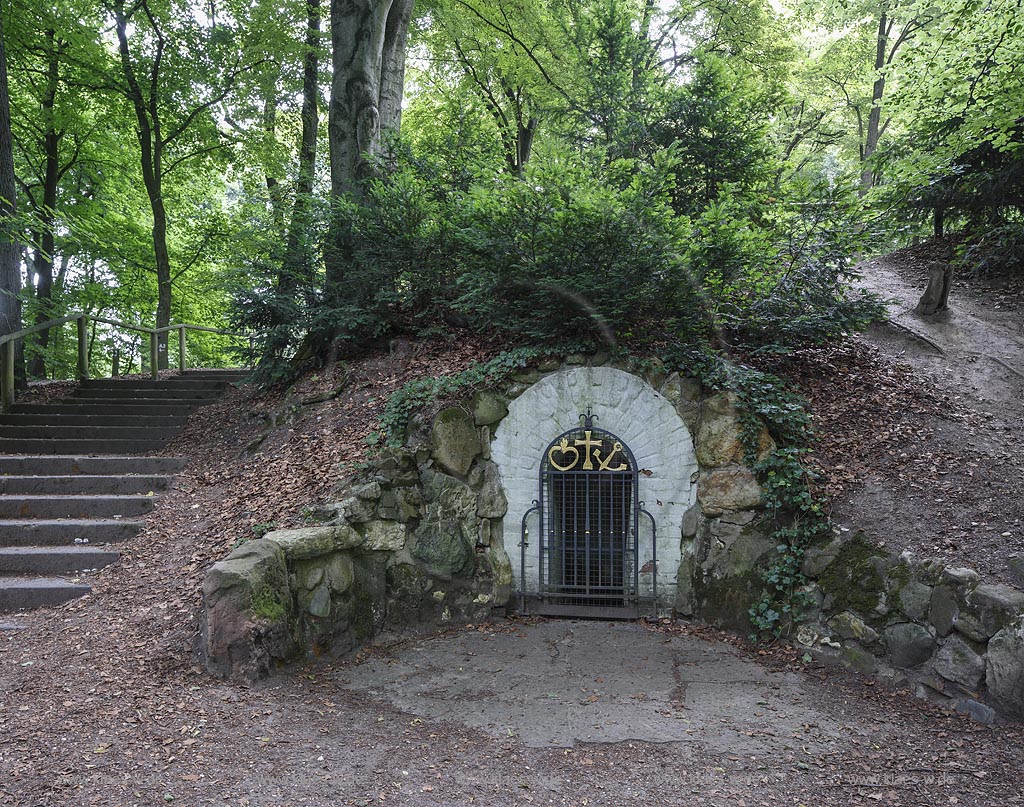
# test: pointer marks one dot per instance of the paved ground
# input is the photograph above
(560, 683)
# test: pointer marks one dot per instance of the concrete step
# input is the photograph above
(23, 445)
(118, 407)
(66, 532)
(21, 594)
(164, 393)
(58, 465)
(54, 559)
(82, 485)
(176, 383)
(58, 431)
(61, 419)
(77, 507)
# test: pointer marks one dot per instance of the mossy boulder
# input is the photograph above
(446, 535)
(956, 661)
(489, 408)
(1005, 669)
(454, 440)
(909, 644)
(313, 542)
(853, 581)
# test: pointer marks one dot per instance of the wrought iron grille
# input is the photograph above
(589, 511)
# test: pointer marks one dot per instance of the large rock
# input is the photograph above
(989, 608)
(489, 408)
(719, 433)
(956, 661)
(491, 501)
(915, 599)
(384, 536)
(1015, 566)
(1005, 669)
(446, 535)
(246, 604)
(943, 610)
(850, 626)
(313, 542)
(455, 441)
(724, 489)
(909, 644)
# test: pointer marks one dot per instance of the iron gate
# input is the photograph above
(589, 510)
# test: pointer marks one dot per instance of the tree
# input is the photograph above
(10, 274)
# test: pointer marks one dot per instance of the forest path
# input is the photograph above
(960, 494)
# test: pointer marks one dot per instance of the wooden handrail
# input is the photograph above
(9, 341)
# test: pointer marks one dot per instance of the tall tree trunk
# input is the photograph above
(867, 176)
(10, 251)
(43, 255)
(148, 119)
(369, 39)
(296, 267)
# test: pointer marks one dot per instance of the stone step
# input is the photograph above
(58, 431)
(21, 594)
(66, 532)
(74, 507)
(82, 484)
(62, 465)
(25, 445)
(61, 419)
(120, 407)
(164, 393)
(54, 559)
(177, 383)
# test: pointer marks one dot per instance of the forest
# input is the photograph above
(649, 173)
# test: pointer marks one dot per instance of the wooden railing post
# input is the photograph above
(7, 375)
(83, 348)
(181, 350)
(154, 358)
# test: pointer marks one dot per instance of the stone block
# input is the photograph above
(915, 599)
(960, 576)
(340, 573)
(909, 644)
(818, 557)
(446, 535)
(857, 658)
(491, 501)
(455, 442)
(314, 542)
(978, 712)
(956, 661)
(850, 626)
(988, 608)
(724, 489)
(1005, 669)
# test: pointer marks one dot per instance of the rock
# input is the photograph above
(960, 576)
(548, 365)
(728, 489)
(368, 492)
(340, 573)
(246, 602)
(500, 566)
(718, 439)
(489, 408)
(691, 522)
(446, 535)
(384, 536)
(818, 557)
(915, 599)
(909, 644)
(857, 658)
(1005, 669)
(989, 607)
(455, 441)
(320, 602)
(356, 510)
(314, 542)
(978, 712)
(402, 504)
(485, 442)
(943, 610)
(528, 376)
(575, 359)
(956, 661)
(312, 577)
(850, 626)
(491, 501)
(1015, 566)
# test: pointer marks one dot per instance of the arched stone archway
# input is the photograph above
(645, 420)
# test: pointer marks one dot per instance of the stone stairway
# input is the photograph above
(75, 479)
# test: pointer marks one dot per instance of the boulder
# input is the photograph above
(956, 661)
(489, 408)
(724, 489)
(246, 602)
(446, 535)
(491, 501)
(850, 626)
(384, 536)
(960, 576)
(989, 607)
(455, 441)
(1015, 566)
(943, 610)
(857, 658)
(909, 644)
(1005, 669)
(718, 439)
(915, 599)
(314, 542)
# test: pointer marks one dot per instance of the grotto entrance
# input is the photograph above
(588, 509)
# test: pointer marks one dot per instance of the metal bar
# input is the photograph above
(181, 349)
(524, 544)
(83, 348)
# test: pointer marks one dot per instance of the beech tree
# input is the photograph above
(10, 274)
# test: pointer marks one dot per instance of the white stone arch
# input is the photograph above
(635, 412)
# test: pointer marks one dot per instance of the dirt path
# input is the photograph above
(951, 486)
